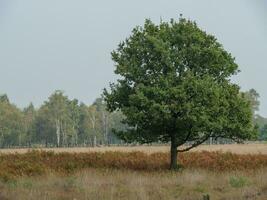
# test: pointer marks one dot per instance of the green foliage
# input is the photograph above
(260, 121)
(238, 182)
(29, 117)
(175, 86)
(263, 133)
(200, 189)
(12, 129)
(58, 122)
(4, 98)
(253, 97)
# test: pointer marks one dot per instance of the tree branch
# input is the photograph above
(185, 140)
(194, 145)
(199, 142)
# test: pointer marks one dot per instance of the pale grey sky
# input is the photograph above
(65, 44)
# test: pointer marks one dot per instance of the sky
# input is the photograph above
(66, 44)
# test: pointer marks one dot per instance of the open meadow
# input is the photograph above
(222, 171)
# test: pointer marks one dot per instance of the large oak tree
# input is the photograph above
(175, 87)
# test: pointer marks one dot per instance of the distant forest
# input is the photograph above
(62, 122)
(59, 122)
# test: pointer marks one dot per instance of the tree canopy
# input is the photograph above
(175, 87)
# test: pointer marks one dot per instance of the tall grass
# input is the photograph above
(112, 184)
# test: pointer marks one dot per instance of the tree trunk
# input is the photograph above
(94, 142)
(46, 143)
(174, 154)
(58, 132)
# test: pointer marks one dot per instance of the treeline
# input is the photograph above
(59, 122)
(62, 122)
(261, 123)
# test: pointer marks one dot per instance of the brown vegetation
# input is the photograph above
(40, 162)
(132, 175)
(133, 185)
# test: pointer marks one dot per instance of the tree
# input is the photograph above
(253, 97)
(11, 124)
(96, 124)
(57, 111)
(74, 118)
(29, 117)
(175, 87)
(263, 133)
(103, 118)
(59, 115)
(4, 98)
(116, 119)
(94, 128)
(44, 127)
(90, 127)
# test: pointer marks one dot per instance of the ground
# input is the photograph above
(117, 182)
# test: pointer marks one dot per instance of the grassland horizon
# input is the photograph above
(251, 148)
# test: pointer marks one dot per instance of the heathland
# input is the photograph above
(140, 172)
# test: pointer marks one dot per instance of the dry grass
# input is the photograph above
(122, 173)
(133, 185)
(145, 149)
(233, 148)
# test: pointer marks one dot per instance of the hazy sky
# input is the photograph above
(65, 44)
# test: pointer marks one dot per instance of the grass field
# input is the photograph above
(113, 184)
(225, 172)
(233, 148)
